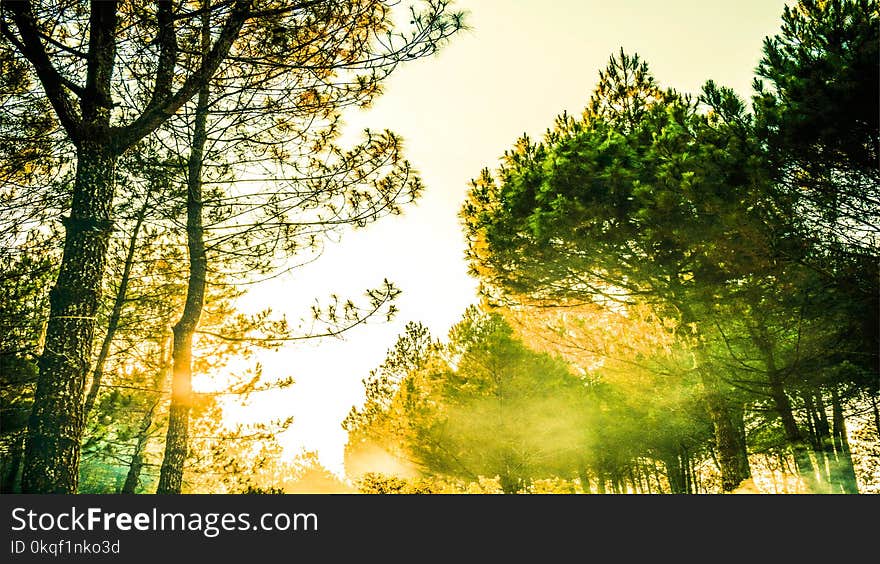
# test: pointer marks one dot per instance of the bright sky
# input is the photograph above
(520, 65)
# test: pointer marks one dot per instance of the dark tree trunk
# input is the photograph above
(803, 463)
(812, 421)
(782, 404)
(644, 477)
(843, 471)
(177, 438)
(585, 479)
(56, 422)
(696, 485)
(732, 457)
(826, 448)
(674, 474)
(645, 473)
(600, 482)
(685, 465)
(52, 446)
(729, 444)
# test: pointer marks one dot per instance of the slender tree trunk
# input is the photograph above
(812, 421)
(115, 313)
(843, 471)
(177, 438)
(803, 463)
(876, 411)
(793, 435)
(55, 426)
(600, 482)
(686, 470)
(132, 479)
(585, 479)
(615, 482)
(644, 478)
(826, 441)
(673, 473)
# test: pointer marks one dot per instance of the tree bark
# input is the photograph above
(57, 419)
(56, 422)
(727, 424)
(177, 438)
(729, 443)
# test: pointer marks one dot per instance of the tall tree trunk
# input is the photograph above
(116, 312)
(803, 463)
(843, 471)
(812, 421)
(727, 424)
(600, 482)
(729, 444)
(674, 476)
(177, 438)
(696, 486)
(876, 411)
(55, 426)
(782, 405)
(644, 478)
(685, 465)
(585, 479)
(826, 441)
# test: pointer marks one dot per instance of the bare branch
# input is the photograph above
(32, 48)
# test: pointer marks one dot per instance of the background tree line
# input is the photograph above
(703, 275)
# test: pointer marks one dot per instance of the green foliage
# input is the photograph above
(757, 232)
(480, 405)
(25, 270)
(661, 203)
(818, 106)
